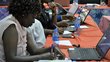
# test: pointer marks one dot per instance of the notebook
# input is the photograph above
(74, 8)
(92, 53)
(71, 11)
(83, 16)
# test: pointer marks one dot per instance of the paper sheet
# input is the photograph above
(82, 26)
(67, 32)
(64, 42)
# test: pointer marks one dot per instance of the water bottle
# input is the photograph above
(77, 26)
(55, 36)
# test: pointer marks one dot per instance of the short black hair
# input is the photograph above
(23, 7)
(46, 1)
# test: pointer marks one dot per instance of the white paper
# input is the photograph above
(67, 32)
(88, 4)
(71, 48)
(64, 42)
(82, 26)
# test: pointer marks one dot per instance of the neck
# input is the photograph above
(20, 20)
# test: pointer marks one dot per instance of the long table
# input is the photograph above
(88, 37)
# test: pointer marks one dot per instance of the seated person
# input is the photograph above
(50, 24)
(15, 41)
(37, 33)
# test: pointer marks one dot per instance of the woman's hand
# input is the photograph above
(52, 6)
(60, 30)
(68, 17)
(62, 24)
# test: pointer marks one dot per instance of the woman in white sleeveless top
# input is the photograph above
(14, 41)
(37, 32)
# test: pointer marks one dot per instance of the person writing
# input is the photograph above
(15, 40)
(50, 23)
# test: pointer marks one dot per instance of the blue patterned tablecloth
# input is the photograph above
(96, 14)
(3, 13)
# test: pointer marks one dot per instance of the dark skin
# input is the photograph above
(10, 43)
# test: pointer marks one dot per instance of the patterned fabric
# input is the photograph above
(3, 12)
(4, 1)
(104, 23)
(96, 14)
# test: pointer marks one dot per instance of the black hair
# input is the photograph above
(23, 7)
(46, 1)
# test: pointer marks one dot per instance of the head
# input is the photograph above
(24, 11)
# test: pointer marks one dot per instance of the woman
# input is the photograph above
(48, 21)
(15, 41)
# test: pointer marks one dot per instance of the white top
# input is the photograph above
(21, 47)
(38, 32)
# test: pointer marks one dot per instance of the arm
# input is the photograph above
(54, 17)
(53, 8)
(48, 31)
(10, 47)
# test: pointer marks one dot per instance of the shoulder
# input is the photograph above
(6, 22)
(10, 30)
(8, 19)
(37, 21)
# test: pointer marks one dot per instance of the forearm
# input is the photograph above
(48, 31)
(41, 51)
(32, 46)
(34, 50)
(54, 18)
(44, 56)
